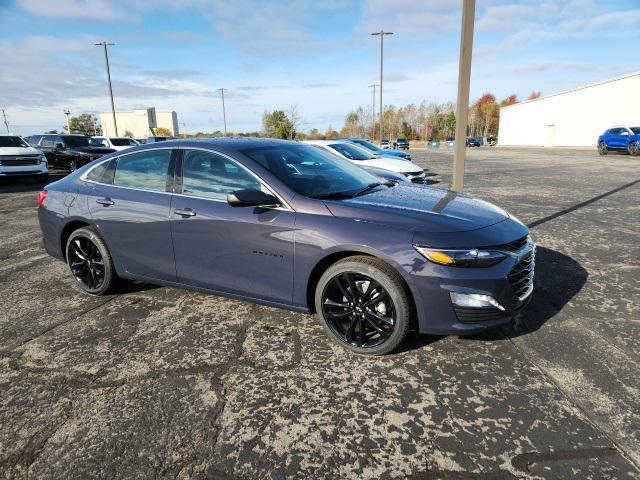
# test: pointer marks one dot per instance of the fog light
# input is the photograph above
(474, 300)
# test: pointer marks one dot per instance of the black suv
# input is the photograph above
(401, 144)
(68, 151)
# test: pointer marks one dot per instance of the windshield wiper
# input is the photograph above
(332, 195)
(371, 186)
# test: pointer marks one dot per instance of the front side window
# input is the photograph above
(351, 151)
(121, 142)
(145, 170)
(635, 130)
(47, 142)
(209, 175)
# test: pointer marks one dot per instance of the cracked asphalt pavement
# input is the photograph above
(159, 382)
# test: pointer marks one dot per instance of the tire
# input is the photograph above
(73, 165)
(633, 148)
(385, 322)
(90, 262)
(602, 148)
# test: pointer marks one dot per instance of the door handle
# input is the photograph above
(106, 202)
(187, 212)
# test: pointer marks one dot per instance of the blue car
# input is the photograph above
(380, 151)
(292, 226)
(624, 139)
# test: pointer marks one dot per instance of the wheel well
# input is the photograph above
(329, 260)
(68, 229)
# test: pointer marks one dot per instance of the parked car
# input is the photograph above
(18, 158)
(364, 158)
(292, 226)
(620, 139)
(385, 144)
(386, 175)
(69, 151)
(379, 151)
(473, 142)
(116, 143)
(401, 144)
(157, 139)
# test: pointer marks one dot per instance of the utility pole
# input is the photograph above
(224, 113)
(462, 106)
(373, 107)
(382, 33)
(6, 123)
(104, 43)
(66, 114)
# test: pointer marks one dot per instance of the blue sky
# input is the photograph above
(318, 55)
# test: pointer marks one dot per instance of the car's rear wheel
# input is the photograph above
(602, 148)
(633, 148)
(90, 262)
(363, 304)
(73, 165)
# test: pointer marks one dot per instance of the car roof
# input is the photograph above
(326, 142)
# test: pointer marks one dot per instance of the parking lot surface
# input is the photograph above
(158, 382)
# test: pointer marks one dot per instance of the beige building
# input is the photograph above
(142, 123)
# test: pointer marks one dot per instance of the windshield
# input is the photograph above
(636, 130)
(310, 171)
(8, 141)
(352, 152)
(367, 145)
(80, 141)
(123, 142)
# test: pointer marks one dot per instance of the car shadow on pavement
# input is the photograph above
(558, 278)
(27, 184)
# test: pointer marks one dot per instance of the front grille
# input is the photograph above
(521, 276)
(472, 315)
(19, 161)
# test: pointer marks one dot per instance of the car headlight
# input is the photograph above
(461, 258)
(42, 159)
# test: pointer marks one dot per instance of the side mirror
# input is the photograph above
(59, 146)
(251, 197)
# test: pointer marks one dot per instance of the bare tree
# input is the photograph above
(295, 118)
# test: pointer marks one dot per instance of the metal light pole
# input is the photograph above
(66, 114)
(224, 112)
(382, 33)
(373, 106)
(106, 61)
(6, 123)
(462, 106)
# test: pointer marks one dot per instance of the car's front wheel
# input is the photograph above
(90, 262)
(633, 148)
(363, 304)
(602, 148)
(73, 165)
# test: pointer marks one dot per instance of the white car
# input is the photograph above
(364, 158)
(117, 143)
(18, 158)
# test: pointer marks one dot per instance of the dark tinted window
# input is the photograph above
(47, 142)
(103, 173)
(206, 174)
(34, 139)
(367, 145)
(123, 142)
(145, 170)
(309, 170)
(635, 130)
(8, 141)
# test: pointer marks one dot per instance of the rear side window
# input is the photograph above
(144, 170)
(103, 173)
(208, 175)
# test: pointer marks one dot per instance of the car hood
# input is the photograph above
(19, 151)
(390, 163)
(92, 150)
(419, 208)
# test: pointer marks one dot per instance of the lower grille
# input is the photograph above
(521, 276)
(18, 161)
(473, 315)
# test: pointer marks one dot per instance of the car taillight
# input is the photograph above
(42, 196)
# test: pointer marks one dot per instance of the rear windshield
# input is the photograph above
(8, 141)
(123, 142)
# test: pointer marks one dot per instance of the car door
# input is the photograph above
(614, 139)
(130, 205)
(244, 251)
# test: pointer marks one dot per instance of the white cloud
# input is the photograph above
(94, 10)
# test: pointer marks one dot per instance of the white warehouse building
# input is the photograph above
(574, 118)
(141, 123)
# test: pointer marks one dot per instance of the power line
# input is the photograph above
(382, 33)
(104, 43)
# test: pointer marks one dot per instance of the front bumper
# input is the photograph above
(509, 283)
(24, 170)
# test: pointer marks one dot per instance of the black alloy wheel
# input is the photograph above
(90, 262)
(73, 165)
(358, 310)
(602, 148)
(363, 304)
(633, 148)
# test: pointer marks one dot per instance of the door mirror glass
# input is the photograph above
(251, 198)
